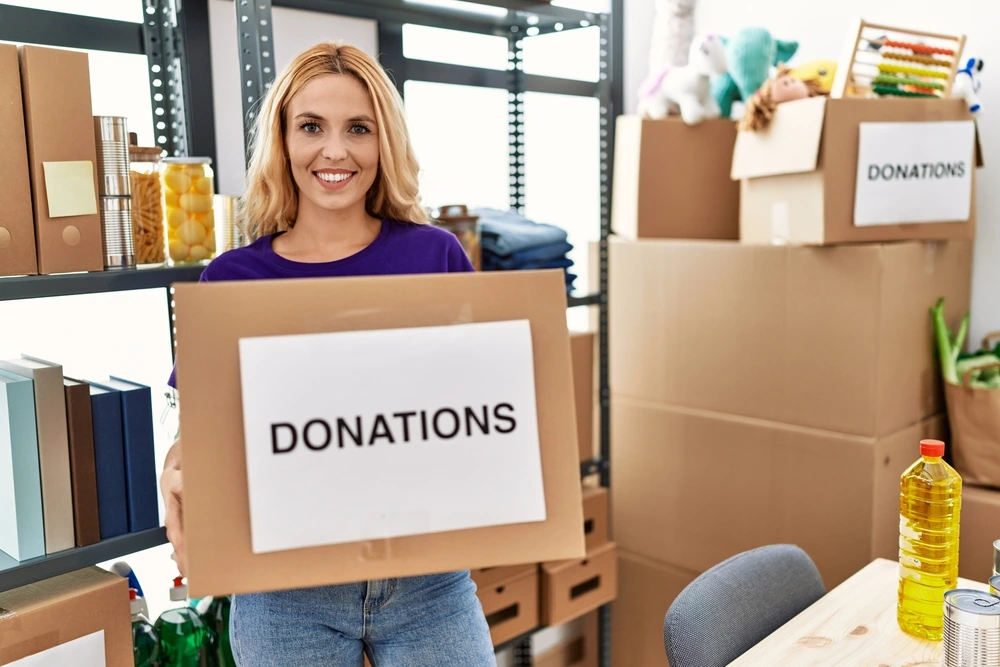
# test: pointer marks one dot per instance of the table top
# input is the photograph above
(854, 624)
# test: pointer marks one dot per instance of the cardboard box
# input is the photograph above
(671, 180)
(211, 320)
(582, 349)
(646, 589)
(73, 607)
(577, 651)
(980, 527)
(836, 338)
(62, 152)
(693, 488)
(571, 588)
(511, 606)
(487, 576)
(17, 226)
(595, 516)
(801, 178)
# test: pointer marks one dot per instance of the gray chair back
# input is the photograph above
(729, 608)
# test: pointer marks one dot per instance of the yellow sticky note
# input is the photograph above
(69, 188)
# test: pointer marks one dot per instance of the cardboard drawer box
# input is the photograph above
(572, 588)
(582, 350)
(17, 226)
(595, 517)
(62, 154)
(487, 576)
(78, 618)
(511, 605)
(672, 180)
(577, 651)
(830, 171)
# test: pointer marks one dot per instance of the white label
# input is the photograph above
(914, 172)
(87, 651)
(375, 434)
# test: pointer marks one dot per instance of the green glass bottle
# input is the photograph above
(145, 642)
(185, 640)
(217, 618)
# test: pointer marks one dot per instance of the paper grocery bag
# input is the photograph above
(975, 431)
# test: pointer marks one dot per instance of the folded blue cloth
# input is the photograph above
(540, 253)
(507, 232)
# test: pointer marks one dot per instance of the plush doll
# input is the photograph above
(967, 84)
(672, 33)
(750, 55)
(686, 89)
(782, 87)
(822, 72)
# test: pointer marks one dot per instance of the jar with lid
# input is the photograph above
(188, 185)
(457, 219)
(147, 203)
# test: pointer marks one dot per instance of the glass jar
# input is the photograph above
(457, 220)
(147, 204)
(188, 187)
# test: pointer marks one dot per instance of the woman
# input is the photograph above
(332, 191)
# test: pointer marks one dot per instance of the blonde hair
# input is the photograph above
(761, 106)
(270, 203)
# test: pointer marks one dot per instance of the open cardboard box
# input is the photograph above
(213, 384)
(802, 183)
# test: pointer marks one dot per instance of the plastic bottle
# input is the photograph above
(185, 640)
(145, 642)
(216, 617)
(930, 504)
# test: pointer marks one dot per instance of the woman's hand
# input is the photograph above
(172, 487)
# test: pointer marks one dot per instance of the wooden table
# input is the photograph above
(854, 625)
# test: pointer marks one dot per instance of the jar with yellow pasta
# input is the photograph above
(147, 204)
(188, 186)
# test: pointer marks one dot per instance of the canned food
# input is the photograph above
(116, 223)
(111, 135)
(971, 629)
(996, 558)
(995, 585)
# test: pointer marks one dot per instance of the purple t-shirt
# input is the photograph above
(401, 248)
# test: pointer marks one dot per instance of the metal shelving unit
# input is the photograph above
(172, 34)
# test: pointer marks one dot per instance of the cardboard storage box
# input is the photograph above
(833, 171)
(17, 226)
(577, 651)
(582, 349)
(836, 338)
(671, 180)
(79, 618)
(511, 605)
(980, 527)
(595, 516)
(646, 589)
(694, 488)
(487, 576)
(571, 588)
(416, 475)
(63, 159)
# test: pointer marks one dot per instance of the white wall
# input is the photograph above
(294, 31)
(821, 31)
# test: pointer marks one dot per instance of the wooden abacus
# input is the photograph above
(882, 61)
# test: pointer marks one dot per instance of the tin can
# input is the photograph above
(111, 135)
(971, 629)
(116, 227)
(227, 234)
(996, 558)
(995, 585)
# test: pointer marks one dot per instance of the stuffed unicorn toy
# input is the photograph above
(967, 84)
(686, 89)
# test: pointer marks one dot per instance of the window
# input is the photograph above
(571, 54)
(460, 136)
(455, 47)
(116, 10)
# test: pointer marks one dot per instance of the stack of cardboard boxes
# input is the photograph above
(771, 385)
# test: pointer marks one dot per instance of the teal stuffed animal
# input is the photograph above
(750, 54)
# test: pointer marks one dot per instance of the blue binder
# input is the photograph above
(140, 458)
(109, 461)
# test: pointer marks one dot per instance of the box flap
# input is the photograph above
(790, 145)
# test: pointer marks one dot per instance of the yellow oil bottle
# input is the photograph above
(930, 504)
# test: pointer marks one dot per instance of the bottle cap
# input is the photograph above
(178, 593)
(134, 601)
(933, 448)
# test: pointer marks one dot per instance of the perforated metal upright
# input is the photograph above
(164, 46)
(255, 37)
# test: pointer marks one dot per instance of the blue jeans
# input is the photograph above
(433, 620)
